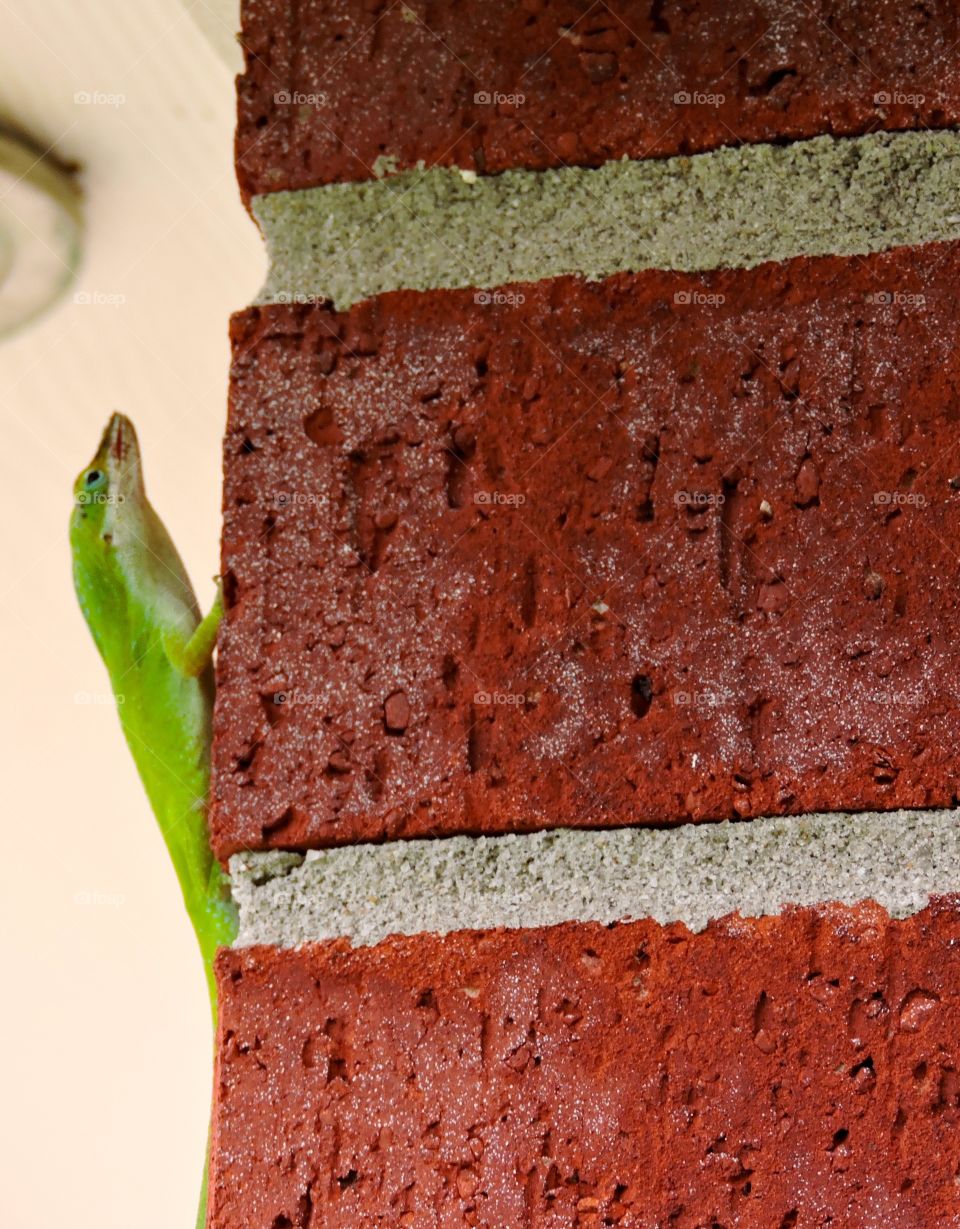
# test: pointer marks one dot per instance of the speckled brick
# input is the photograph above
(790, 1072)
(655, 549)
(334, 85)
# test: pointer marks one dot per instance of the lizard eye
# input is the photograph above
(94, 478)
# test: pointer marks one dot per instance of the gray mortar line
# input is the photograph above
(690, 874)
(733, 207)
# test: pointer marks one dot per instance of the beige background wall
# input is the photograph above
(104, 1031)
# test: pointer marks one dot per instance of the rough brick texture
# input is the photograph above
(648, 550)
(333, 85)
(787, 1073)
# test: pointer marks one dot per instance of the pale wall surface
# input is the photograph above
(105, 1037)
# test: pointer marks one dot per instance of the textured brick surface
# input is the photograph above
(797, 1071)
(333, 85)
(647, 550)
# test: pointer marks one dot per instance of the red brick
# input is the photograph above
(702, 608)
(797, 1071)
(598, 81)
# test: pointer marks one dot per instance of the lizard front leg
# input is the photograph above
(191, 655)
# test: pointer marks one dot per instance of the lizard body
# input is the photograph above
(142, 612)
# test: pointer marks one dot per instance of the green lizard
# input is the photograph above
(142, 612)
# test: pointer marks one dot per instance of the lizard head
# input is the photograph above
(106, 525)
(110, 487)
